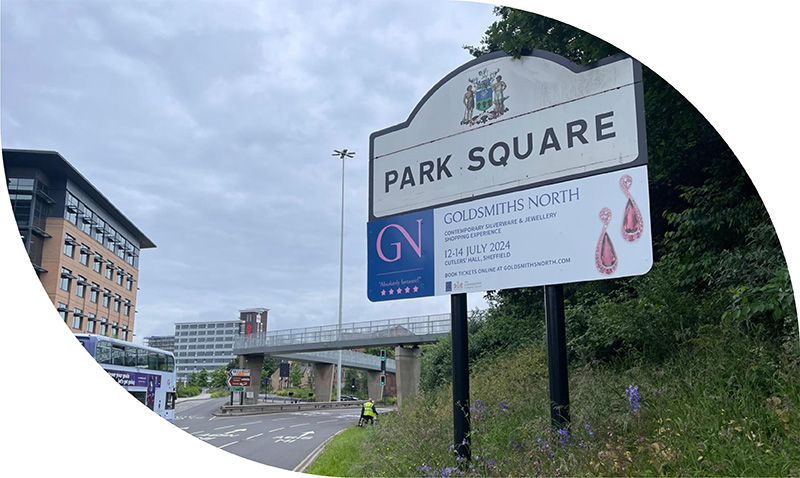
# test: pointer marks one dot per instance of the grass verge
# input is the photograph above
(727, 405)
(340, 454)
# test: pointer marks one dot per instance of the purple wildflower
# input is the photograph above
(633, 396)
(589, 430)
(503, 405)
(563, 437)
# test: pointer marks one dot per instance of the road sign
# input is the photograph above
(242, 372)
(239, 381)
(536, 175)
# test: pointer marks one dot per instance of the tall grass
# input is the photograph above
(727, 404)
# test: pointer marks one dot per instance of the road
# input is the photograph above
(282, 440)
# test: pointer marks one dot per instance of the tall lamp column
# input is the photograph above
(342, 154)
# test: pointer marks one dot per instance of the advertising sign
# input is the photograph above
(512, 173)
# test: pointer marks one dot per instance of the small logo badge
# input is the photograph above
(486, 93)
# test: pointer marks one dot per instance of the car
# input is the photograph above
(350, 398)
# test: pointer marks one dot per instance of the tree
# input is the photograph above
(715, 250)
(219, 377)
(199, 378)
(296, 375)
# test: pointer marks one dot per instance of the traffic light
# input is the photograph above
(383, 360)
(383, 380)
(383, 354)
(353, 383)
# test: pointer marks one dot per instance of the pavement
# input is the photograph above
(202, 396)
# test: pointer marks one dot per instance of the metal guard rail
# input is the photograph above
(438, 324)
(263, 408)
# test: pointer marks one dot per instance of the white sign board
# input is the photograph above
(498, 124)
(512, 173)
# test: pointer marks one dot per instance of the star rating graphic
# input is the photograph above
(399, 291)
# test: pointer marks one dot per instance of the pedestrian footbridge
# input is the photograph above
(321, 345)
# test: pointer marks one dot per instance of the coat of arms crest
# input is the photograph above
(486, 93)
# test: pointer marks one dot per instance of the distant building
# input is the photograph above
(84, 250)
(163, 342)
(306, 375)
(204, 345)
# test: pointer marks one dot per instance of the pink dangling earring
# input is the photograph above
(632, 223)
(604, 256)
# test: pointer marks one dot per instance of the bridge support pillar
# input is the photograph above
(408, 368)
(323, 381)
(255, 363)
(374, 387)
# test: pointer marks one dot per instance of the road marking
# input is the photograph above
(299, 425)
(251, 423)
(183, 428)
(254, 436)
(328, 421)
(279, 419)
(281, 428)
(228, 426)
(292, 439)
(195, 433)
(229, 444)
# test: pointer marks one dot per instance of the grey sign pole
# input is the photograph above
(458, 319)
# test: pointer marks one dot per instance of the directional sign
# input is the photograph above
(238, 381)
(241, 372)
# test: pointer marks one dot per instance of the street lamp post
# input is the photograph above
(342, 154)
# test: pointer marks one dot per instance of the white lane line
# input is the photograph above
(251, 423)
(299, 425)
(195, 433)
(279, 419)
(281, 428)
(254, 436)
(221, 428)
(328, 421)
(229, 444)
(183, 428)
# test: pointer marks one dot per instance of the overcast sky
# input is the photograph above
(211, 126)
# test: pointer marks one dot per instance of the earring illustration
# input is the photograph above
(604, 256)
(632, 223)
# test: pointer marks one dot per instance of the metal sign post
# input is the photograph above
(557, 355)
(458, 318)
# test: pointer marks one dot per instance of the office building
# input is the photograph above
(84, 250)
(163, 342)
(204, 345)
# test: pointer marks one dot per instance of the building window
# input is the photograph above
(62, 311)
(117, 300)
(98, 263)
(66, 279)
(69, 246)
(93, 293)
(80, 289)
(124, 335)
(84, 257)
(106, 298)
(77, 318)
(90, 323)
(119, 277)
(114, 330)
(103, 329)
(126, 310)
(109, 271)
(129, 282)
